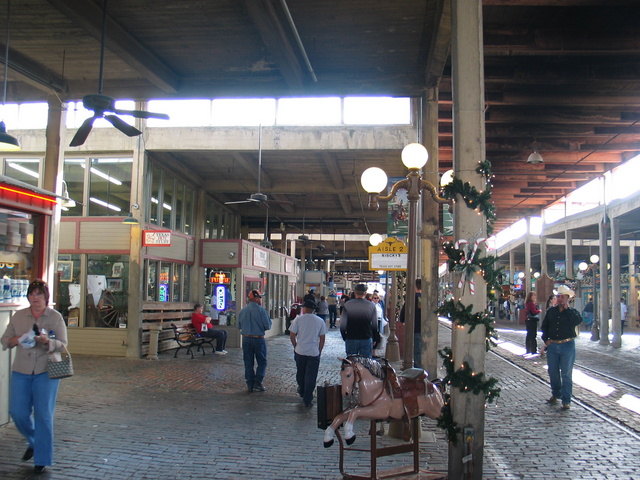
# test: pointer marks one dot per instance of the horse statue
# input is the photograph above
(382, 395)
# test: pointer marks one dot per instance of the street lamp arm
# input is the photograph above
(405, 183)
(424, 185)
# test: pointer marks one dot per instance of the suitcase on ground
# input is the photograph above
(329, 404)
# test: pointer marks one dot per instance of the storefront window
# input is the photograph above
(163, 282)
(167, 202)
(151, 280)
(26, 170)
(179, 204)
(175, 287)
(156, 178)
(188, 211)
(17, 255)
(101, 294)
(186, 283)
(109, 186)
(73, 174)
(107, 286)
(69, 289)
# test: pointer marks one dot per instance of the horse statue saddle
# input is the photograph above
(408, 385)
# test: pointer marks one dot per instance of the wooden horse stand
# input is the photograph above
(377, 452)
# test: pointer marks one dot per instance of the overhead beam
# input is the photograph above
(251, 166)
(88, 15)
(33, 73)
(264, 16)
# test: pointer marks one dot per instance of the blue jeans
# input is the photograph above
(560, 359)
(359, 347)
(32, 402)
(254, 348)
(219, 335)
(588, 319)
(306, 375)
(333, 315)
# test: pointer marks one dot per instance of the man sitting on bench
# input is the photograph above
(204, 327)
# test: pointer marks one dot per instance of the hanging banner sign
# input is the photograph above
(156, 238)
(392, 254)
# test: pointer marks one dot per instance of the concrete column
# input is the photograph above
(136, 264)
(430, 220)
(604, 302)
(632, 300)
(466, 457)
(543, 258)
(568, 254)
(512, 266)
(616, 315)
(527, 259)
(54, 152)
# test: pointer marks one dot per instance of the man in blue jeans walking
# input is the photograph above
(253, 321)
(307, 334)
(558, 333)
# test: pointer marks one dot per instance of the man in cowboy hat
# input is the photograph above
(558, 333)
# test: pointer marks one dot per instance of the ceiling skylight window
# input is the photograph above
(377, 111)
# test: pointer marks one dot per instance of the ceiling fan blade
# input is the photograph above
(239, 201)
(123, 126)
(83, 132)
(142, 114)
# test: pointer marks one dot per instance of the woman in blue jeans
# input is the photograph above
(33, 394)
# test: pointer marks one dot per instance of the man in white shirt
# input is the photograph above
(307, 334)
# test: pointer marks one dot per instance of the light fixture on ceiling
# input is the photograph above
(7, 142)
(535, 158)
(130, 219)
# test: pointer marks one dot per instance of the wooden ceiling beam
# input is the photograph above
(334, 175)
(250, 167)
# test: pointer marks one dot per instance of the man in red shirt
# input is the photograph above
(204, 327)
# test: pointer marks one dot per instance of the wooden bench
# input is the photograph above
(187, 337)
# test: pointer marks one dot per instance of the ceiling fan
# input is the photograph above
(104, 106)
(259, 198)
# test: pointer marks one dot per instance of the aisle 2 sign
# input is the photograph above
(391, 254)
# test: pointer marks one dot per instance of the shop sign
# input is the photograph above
(392, 254)
(156, 238)
(220, 277)
(260, 258)
(220, 298)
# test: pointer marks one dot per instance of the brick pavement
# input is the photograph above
(182, 418)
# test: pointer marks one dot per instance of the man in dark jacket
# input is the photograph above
(359, 324)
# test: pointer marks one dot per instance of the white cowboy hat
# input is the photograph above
(564, 290)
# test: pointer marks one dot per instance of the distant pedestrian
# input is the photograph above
(623, 315)
(558, 333)
(552, 301)
(323, 308)
(359, 324)
(311, 295)
(307, 334)
(587, 313)
(253, 321)
(533, 317)
(332, 301)
(205, 328)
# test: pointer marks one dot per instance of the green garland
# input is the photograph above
(461, 315)
(479, 201)
(465, 380)
(458, 263)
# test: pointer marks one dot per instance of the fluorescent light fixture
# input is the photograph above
(22, 169)
(105, 204)
(101, 174)
(164, 205)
